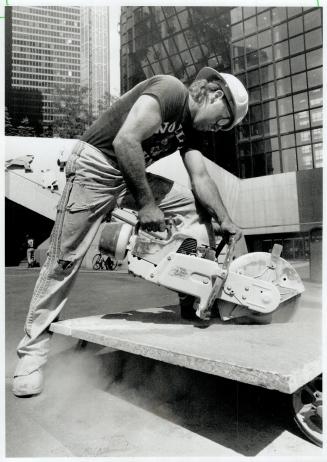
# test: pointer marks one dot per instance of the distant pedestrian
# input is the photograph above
(30, 252)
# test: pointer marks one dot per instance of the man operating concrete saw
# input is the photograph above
(108, 168)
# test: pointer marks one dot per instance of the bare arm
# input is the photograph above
(207, 193)
(142, 121)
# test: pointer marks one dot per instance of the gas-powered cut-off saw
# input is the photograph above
(255, 283)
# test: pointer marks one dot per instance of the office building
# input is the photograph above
(42, 50)
(95, 53)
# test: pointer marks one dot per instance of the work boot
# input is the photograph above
(186, 303)
(28, 385)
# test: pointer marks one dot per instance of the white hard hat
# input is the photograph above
(234, 90)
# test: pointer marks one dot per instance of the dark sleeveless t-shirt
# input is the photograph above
(172, 97)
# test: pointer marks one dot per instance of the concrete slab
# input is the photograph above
(282, 356)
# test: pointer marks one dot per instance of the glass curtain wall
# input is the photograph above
(277, 53)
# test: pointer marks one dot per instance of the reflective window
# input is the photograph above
(258, 147)
(184, 19)
(273, 143)
(315, 97)
(315, 77)
(264, 38)
(236, 14)
(289, 160)
(242, 78)
(296, 44)
(250, 26)
(254, 95)
(248, 11)
(244, 131)
(170, 46)
(255, 113)
(246, 167)
(280, 32)
(191, 71)
(186, 57)
(274, 163)
(297, 64)
(286, 124)
(156, 68)
(299, 82)
(314, 58)
(316, 135)
(300, 101)
(287, 141)
(316, 117)
(293, 11)
(252, 59)
(239, 64)
(238, 48)
(281, 50)
(270, 127)
(266, 55)
(282, 68)
(283, 86)
(253, 78)
(259, 165)
(313, 39)
(264, 20)
(318, 155)
(251, 44)
(303, 137)
(304, 157)
(267, 73)
(197, 54)
(269, 109)
(302, 120)
(268, 91)
(285, 105)
(312, 19)
(245, 149)
(180, 41)
(295, 26)
(278, 15)
(165, 65)
(237, 30)
(256, 129)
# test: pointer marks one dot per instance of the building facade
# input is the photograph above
(277, 54)
(42, 50)
(95, 54)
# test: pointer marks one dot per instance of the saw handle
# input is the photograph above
(229, 253)
(170, 228)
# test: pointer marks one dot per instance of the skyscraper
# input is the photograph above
(95, 54)
(42, 50)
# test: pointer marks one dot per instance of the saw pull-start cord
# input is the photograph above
(220, 279)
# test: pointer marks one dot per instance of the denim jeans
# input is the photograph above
(93, 188)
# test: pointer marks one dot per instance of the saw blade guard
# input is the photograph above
(270, 268)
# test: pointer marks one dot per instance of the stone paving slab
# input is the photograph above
(282, 356)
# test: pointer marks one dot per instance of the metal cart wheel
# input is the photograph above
(307, 407)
